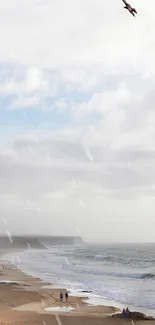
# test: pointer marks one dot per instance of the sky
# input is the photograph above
(77, 119)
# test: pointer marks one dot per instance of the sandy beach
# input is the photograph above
(23, 300)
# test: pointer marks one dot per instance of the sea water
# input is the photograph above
(116, 274)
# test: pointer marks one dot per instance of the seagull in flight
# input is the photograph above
(129, 8)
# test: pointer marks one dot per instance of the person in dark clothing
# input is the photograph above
(66, 296)
(124, 313)
(61, 296)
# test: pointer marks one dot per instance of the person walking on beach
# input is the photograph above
(61, 296)
(66, 296)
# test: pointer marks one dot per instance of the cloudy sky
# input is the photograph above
(77, 118)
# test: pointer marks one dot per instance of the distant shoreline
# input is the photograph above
(37, 241)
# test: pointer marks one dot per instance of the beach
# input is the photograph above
(115, 275)
(24, 300)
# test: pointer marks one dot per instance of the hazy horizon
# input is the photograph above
(77, 119)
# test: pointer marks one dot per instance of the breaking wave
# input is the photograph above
(86, 270)
(117, 273)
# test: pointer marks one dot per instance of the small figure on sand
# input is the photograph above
(61, 296)
(66, 296)
(3, 268)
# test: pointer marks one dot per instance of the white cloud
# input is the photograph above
(39, 33)
(28, 89)
(32, 82)
(56, 175)
(25, 102)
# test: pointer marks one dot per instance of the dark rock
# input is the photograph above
(134, 315)
(86, 291)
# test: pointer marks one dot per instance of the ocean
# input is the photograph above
(120, 275)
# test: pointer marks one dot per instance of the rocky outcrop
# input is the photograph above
(134, 316)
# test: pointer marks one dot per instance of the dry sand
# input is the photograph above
(25, 302)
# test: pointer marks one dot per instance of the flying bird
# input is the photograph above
(129, 8)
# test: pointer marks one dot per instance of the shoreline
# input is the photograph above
(24, 297)
(84, 297)
(30, 296)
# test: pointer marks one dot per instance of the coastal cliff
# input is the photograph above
(37, 242)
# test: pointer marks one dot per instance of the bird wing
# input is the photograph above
(134, 10)
(125, 2)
